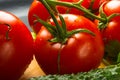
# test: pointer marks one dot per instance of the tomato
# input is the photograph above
(81, 52)
(36, 8)
(109, 8)
(111, 32)
(16, 47)
(85, 3)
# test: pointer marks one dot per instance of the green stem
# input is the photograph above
(68, 4)
(112, 16)
(59, 30)
(79, 31)
(58, 59)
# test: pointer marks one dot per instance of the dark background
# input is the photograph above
(17, 7)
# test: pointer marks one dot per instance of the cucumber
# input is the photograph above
(111, 72)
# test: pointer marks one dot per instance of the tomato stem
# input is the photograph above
(58, 31)
(7, 32)
(79, 7)
(58, 59)
(112, 16)
(50, 28)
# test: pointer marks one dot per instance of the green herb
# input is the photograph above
(111, 72)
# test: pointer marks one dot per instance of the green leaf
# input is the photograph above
(112, 51)
(118, 59)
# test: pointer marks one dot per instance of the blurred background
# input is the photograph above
(18, 7)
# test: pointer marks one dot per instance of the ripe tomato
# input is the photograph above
(111, 32)
(16, 47)
(112, 7)
(109, 8)
(81, 52)
(111, 38)
(85, 3)
(38, 9)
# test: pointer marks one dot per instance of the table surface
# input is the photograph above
(33, 70)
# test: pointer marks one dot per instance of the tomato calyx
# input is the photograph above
(103, 24)
(58, 31)
(7, 32)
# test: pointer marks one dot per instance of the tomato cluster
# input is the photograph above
(71, 36)
(37, 8)
(81, 52)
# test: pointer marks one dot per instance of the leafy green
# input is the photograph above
(112, 52)
(111, 72)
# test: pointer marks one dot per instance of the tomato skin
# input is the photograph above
(82, 51)
(112, 7)
(111, 32)
(16, 52)
(38, 9)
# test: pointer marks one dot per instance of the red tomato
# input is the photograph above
(85, 3)
(38, 9)
(16, 47)
(112, 7)
(81, 52)
(111, 32)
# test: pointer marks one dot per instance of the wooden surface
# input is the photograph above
(32, 71)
